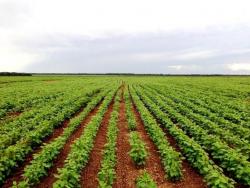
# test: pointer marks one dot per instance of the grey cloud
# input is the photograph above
(197, 52)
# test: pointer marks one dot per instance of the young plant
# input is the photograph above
(145, 181)
(138, 151)
(106, 175)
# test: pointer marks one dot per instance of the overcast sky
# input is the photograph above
(139, 36)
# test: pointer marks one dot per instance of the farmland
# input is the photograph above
(125, 131)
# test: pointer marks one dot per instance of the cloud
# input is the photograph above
(182, 69)
(239, 67)
(124, 36)
(180, 55)
(191, 55)
(157, 53)
(176, 67)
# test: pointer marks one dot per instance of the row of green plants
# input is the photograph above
(40, 95)
(215, 106)
(138, 151)
(233, 140)
(69, 174)
(144, 180)
(192, 151)
(106, 174)
(24, 104)
(30, 95)
(232, 97)
(129, 113)
(195, 100)
(26, 116)
(222, 111)
(53, 113)
(171, 159)
(217, 113)
(43, 160)
(225, 106)
(15, 154)
(234, 128)
(12, 103)
(228, 158)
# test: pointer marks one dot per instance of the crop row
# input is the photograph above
(34, 113)
(11, 156)
(43, 160)
(193, 152)
(212, 128)
(49, 115)
(31, 101)
(78, 157)
(145, 180)
(129, 113)
(215, 106)
(25, 99)
(218, 107)
(226, 157)
(171, 160)
(106, 174)
(138, 151)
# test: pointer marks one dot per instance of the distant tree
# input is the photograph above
(14, 74)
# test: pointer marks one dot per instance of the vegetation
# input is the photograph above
(78, 157)
(204, 120)
(44, 159)
(138, 151)
(106, 175)
(145, 181)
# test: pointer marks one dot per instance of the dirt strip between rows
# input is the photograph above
(17, 173)
(153, 165)
(191, 178)
(10, 116)
(125, 169)
(59, 161)
(89, 173)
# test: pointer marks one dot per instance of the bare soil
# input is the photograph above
(126, 171)
(17, 173)
(89, 173)
(59, 161)
(14, 114)
(191, 179)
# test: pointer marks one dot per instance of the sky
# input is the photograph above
(132, 36)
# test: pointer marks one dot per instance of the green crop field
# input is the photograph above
(125, 131)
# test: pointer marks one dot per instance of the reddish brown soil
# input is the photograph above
(126, 170)
(50, 81)
(153, 164)
(14, 114)
(241, 186)
(89, 173)
(191, 179)
(9, 117)
(59, 161)
(17, 173)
